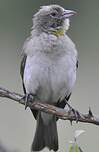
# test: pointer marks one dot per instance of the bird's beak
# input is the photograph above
(68, 13)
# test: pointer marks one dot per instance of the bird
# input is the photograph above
(48, 69)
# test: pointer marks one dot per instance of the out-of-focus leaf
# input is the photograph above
(75, 148)
(80, 150)
(71, 148)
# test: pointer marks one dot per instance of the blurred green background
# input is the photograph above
(17, 126)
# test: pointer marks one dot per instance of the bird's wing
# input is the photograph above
(22, 67)
(62, 104)
(77, 64)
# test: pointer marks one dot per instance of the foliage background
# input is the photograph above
(17, 125)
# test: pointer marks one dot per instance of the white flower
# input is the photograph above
(78, 133)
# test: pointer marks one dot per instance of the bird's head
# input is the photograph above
(52, 18)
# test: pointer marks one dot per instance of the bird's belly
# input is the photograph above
(56, 84)
(50, 82)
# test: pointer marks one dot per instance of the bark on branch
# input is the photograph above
(60, 113)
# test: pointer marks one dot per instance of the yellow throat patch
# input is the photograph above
(58, 32)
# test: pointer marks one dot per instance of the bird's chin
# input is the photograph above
(66, 24)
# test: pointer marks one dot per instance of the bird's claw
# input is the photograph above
(27, 98)
(75, 112)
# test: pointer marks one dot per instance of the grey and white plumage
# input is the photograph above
(48, 69)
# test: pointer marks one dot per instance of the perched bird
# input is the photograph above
(48, 69)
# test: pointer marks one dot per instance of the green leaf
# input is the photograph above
(71, 148)
(74, 148)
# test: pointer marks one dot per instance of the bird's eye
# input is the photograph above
(54, 14)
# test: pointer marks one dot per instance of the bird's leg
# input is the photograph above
(27, 98)
(63, 103)
(76, 113)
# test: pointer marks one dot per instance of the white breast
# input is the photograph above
(51, 77)
(50, 81)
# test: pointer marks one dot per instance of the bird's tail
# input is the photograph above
(46, 135)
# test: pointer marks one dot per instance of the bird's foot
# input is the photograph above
(75, 112)
(27, 98)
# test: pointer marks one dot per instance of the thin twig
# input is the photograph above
(60, 113)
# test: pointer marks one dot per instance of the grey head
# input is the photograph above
(52, 17)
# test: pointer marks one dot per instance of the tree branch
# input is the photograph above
(60, 113)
